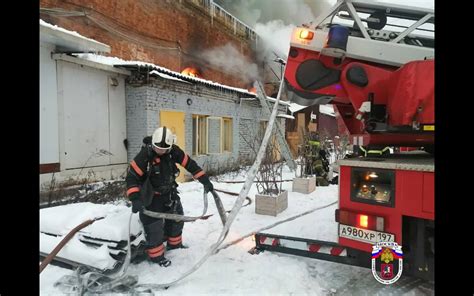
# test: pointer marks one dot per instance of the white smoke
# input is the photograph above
(273, 21)
(277, 21)
(294, 12)
(274, 37)
(229, 60)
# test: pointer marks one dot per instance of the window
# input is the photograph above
(212, 135)
(227, 134)
(263, 127)
(373, 186)
(199, 134)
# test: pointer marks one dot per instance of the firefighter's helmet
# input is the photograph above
(163, 138)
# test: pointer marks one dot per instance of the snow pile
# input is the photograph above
(77, 251)
(233, 271)
(61, 220)
(57, 222)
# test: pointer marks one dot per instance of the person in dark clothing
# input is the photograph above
(317, 158)
(159, 157)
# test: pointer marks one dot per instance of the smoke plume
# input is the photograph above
(229, 60)
(273, 21)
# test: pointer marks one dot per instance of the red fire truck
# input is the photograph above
(375, 63)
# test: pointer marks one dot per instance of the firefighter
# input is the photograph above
(157, 160)
(318, 160)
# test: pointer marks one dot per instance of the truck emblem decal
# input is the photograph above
(385, 256)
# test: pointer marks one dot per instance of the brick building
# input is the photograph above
(95, 111)
(172, 34)
(213, 122)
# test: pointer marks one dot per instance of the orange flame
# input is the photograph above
(190, 71)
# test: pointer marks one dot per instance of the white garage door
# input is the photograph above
(93, 118)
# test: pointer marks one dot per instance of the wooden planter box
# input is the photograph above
(304, 185)
(271, 205)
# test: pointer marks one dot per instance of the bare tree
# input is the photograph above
(341, 145)
(269, 175)
(303, 159)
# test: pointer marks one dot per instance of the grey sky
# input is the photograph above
(291, 11)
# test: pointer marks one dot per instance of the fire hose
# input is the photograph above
(225, 246)
(203, 216)
(86, 280)
(119, 277)
(239, 201)
(176, 217)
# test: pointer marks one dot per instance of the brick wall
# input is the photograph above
(214, 141)
(168, 33)
(136, 119)
(145, 102)
(248, 131)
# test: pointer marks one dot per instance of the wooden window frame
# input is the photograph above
(231, 135)
(195, 150)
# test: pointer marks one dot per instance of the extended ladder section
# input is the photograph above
(383, 33)
(280, 132)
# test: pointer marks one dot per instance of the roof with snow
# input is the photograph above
(153, 69)
(72, 42)
(285, 116)
(295, 107)
(69, 41)
(327, 109)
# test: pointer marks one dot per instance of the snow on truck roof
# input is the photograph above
(410, 161)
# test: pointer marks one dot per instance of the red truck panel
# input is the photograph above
(428, 194)
(412, 87)
(414, 196)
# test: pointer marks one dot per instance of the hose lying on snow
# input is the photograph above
(225, 246)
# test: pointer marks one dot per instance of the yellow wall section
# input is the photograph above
(175, 122)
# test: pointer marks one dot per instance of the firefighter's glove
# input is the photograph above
(137, 204)
(207, 184)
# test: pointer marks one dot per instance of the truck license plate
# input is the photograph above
(364, 235)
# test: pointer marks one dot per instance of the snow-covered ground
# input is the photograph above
(233, 271)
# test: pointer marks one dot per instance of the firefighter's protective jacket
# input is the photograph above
(163, 169)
